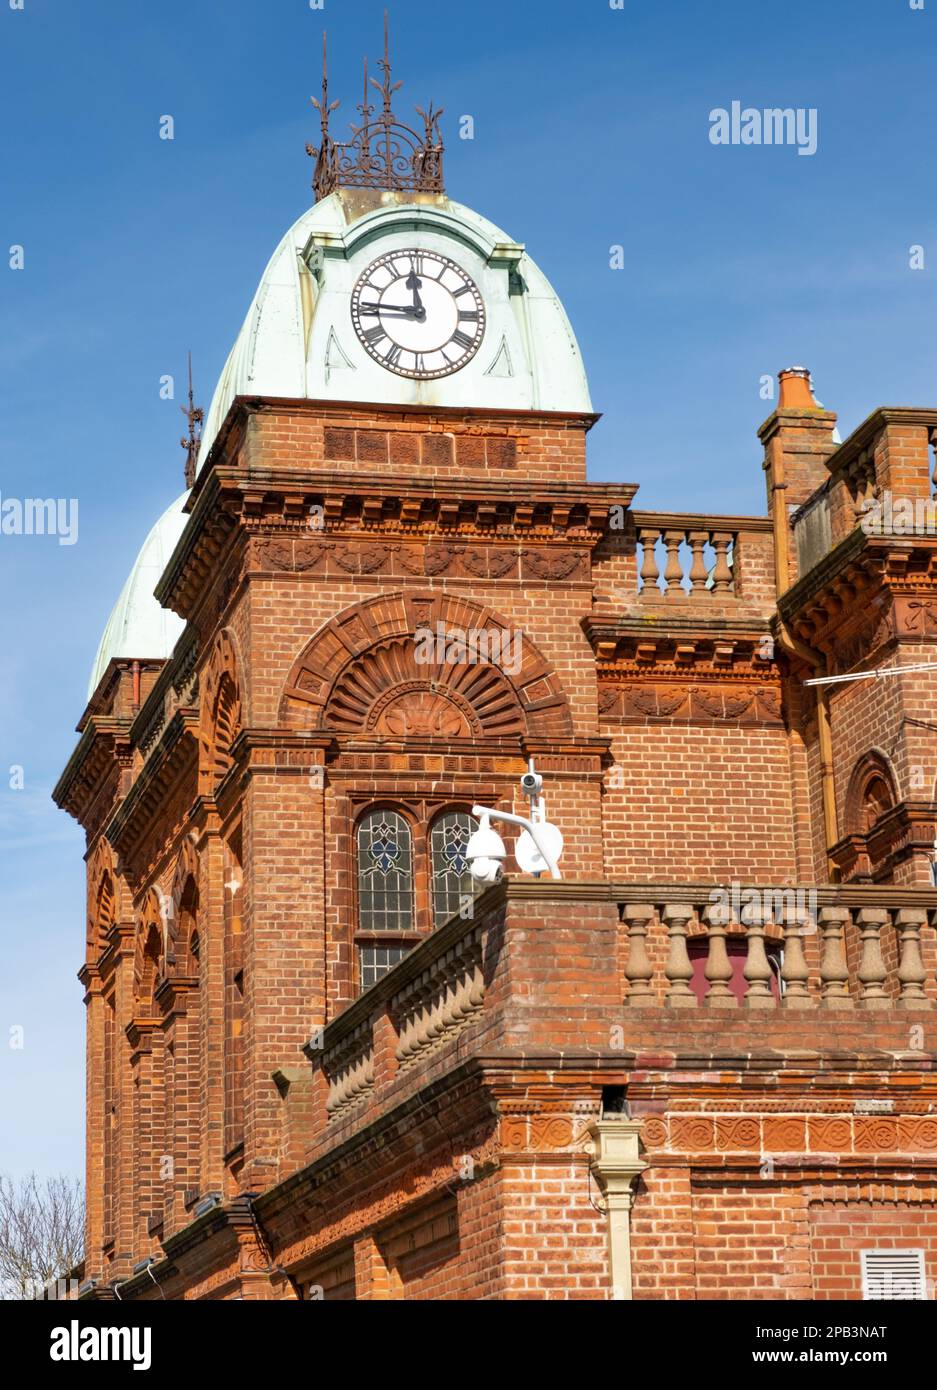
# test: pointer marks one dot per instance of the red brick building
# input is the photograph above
(320, 1063)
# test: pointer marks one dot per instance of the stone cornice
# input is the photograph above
(105, 740)
(891, 559)
(681, 642)
(278, 505)
(175, 750)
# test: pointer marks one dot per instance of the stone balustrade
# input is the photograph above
(549, 968)
(844, 954)
(440, 1001)
(349, 1068)
(685, 561)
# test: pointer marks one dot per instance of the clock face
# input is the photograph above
(418, 314)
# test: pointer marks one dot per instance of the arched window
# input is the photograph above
(385, 873)
(876, 800)
(385, 891)
(452, 880)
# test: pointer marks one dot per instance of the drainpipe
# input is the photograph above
(782, 544)
(817, 662)
(616, 1162)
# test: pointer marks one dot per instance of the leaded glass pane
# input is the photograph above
(452, 877)
(375, 962)
(385, 873)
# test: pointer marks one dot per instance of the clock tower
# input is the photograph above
(323, 1061)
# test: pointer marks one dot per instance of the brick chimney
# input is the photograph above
(798, 440)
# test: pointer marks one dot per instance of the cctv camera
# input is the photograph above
(531, 783)
(487, 870)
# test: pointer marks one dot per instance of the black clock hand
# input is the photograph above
(413, 283)
(406, 309)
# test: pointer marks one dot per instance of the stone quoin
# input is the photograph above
(321, 1063)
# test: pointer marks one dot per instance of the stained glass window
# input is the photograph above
(452, 878)
(385, 873)
(375, 962)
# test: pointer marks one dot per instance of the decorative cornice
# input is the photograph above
(104, 742)
(140, 808)
(840, 591)
(676, 643)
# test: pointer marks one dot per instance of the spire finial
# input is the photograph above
(382, 152)
(192, 442)
(324, 153)
(386, 88)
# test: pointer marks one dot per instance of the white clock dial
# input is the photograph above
(418, 314)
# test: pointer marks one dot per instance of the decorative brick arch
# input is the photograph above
(104, 897)
(361, 673)
(872, 790)
(149, 956)
(220, 714)
(183, 923)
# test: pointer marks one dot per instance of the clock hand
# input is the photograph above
(413, 283)
(406, 309)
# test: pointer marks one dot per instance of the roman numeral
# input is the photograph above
(466, 289)
(393, 356)
(468, 316)
(374, 335)
(462, 339)
(419, 362)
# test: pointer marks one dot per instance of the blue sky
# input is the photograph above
(591, 130)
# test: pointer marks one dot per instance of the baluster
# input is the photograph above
(673, 572)
(423, 1011)
(461, 1008)
(406, 1032)
(718, 967)
(436, 1026)
(477, 991)
(834, 973)
(679, 970)
(757, 970)
(638, 971)
(872, 972)
(794, 971)
(911, 973)
(698, 571)
(649, 571)
(722, 571)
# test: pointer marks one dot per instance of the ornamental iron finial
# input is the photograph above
(382, 151)
(192, 442)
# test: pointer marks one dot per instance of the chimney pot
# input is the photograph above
(796, 391)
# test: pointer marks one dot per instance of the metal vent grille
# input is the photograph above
(896, 1275)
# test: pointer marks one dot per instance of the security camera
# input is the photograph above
(487, 870)
(485, 852)
(531, 784)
